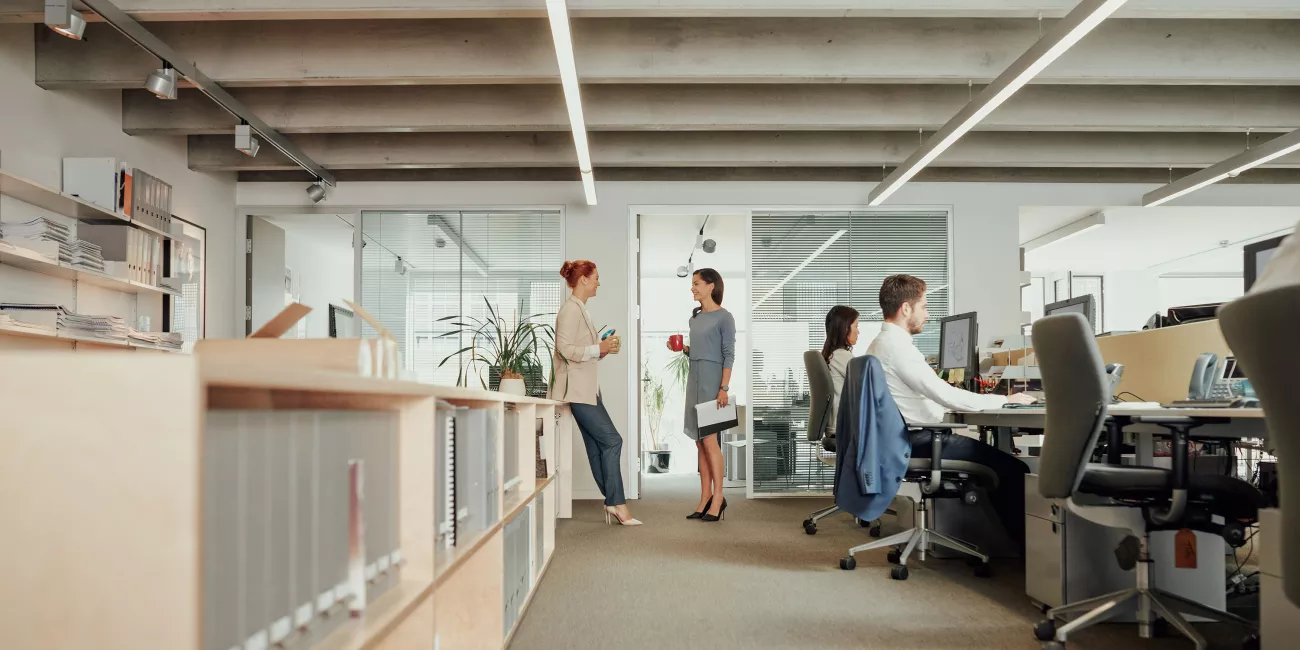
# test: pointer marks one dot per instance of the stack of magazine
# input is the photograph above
(169, 340)
(44, 235)
(57, 318)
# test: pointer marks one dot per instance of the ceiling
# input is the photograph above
(666, 242)
(779, 89)
(1167, 239)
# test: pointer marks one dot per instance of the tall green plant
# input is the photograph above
(653, 399)
(515, 347)
(679, 369)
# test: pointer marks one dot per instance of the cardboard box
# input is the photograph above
(366, 357)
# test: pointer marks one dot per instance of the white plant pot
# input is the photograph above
(513, 387)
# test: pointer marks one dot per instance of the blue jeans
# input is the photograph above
(604, 448)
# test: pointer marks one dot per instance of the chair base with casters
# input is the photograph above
(810, 524)
(1151, 602)
(927, 480)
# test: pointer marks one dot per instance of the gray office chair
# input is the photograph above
(821, 392)
(1261, 331)
(1139, 499)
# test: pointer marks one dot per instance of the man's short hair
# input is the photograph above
(898, 290)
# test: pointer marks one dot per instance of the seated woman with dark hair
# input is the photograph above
(841, 336)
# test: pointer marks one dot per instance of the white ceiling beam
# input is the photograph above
(1063, 36)
(623, 51)
(1249, 159)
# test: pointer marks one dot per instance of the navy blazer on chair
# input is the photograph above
(872, 445)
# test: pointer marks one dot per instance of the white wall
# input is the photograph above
(985, 236)
(38, 128)
(322, 274)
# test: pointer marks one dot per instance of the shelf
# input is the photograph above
(22, 258)
(381, 616)
(452, 558)
(88, 340)
(68, 206)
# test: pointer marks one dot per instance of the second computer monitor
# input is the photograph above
(957, 336)
(1081, 305)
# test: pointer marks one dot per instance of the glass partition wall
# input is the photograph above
(802, 264)
(418, 268)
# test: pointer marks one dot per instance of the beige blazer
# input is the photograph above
(575, 379)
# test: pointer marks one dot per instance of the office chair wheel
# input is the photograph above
(848, 563)
(1251, 642)
(899, 572)
(983, 570)
(809, 528)
(1045, 630)
(895, 556)
(875, 531)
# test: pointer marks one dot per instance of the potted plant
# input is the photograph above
(654, 397)
(511, 349)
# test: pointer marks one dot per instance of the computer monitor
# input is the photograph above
(957, 336)
(1081, 305)
(1257, 256)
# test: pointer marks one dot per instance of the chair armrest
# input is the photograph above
(937, 426)
(1180, 429)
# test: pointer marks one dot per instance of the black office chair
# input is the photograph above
(821, 393)
(928, 479)
(1139, 499)
(1261, 331)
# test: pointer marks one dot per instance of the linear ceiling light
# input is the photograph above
(1082, 19)
(820, 249)
(1248, 159)
(1068, 231)
(559, 16)
(62, 18)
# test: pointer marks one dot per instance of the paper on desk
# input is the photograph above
(710, 419)
(1124, 406)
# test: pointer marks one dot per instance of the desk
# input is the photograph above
(1230, 423)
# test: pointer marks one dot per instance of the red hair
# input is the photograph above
(575, 270)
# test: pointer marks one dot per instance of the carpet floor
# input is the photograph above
(755, 580)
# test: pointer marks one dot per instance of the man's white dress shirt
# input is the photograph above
(921, 395)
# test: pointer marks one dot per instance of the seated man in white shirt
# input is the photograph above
(923, 397)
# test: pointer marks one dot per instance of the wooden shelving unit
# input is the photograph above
(50, 200)
(68, 206)
(121, 540)
(24, 259)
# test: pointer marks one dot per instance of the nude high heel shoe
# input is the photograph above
(611, 517)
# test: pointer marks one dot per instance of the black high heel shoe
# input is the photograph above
(722, 513)
(700, 514)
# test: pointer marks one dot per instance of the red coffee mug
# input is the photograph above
(676, 343)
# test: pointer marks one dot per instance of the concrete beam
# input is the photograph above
(1142, 175)
(732, 149)
(614, 50)
(199, 10)
(700, 107)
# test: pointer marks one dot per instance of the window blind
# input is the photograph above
(804, 263)
(453, 261)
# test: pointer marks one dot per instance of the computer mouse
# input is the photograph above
(1245, 403)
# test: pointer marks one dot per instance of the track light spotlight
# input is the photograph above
(62, 18)
(162, 82)
(245, 141)
(399, 267)
(685, 270)
(316, 192)
(709, 246)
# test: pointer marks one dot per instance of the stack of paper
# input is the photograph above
(170, 340)
(40, 315)
(101, 327)
(31, 234)
(86, 255)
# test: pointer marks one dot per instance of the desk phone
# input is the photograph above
(1215, 379)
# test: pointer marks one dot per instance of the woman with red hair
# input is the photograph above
(578, 347)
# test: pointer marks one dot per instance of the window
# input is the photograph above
(455, 263)
(1093, 285)
(802, 265)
